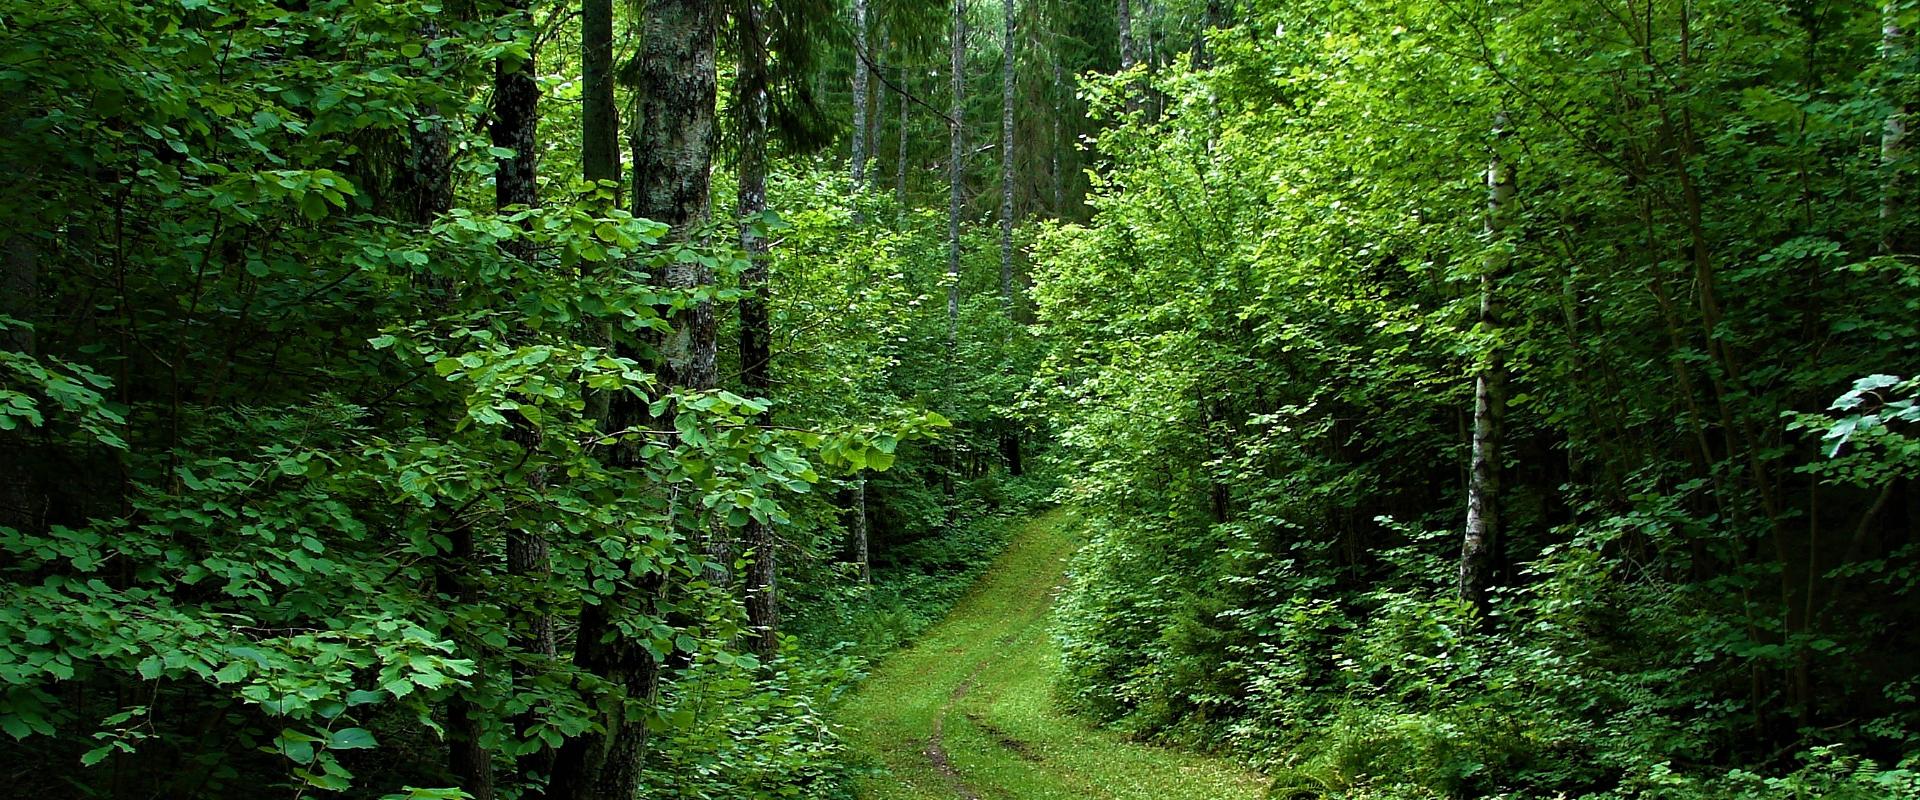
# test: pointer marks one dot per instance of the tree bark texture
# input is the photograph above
(515, 125)
(599, 118)
(426, 186)
(1006, 156)
(670, 139)
(756, 334)
(900, 162)
(1482, 539)
(1059, 138)
(860, 56)
(860, 532)
(470, 763)
(956, 172)
(1128, 56)
(1893, 135)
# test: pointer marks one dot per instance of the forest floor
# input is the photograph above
(968, 711)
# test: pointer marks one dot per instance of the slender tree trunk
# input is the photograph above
(900, 163)
(23, 498)
(1893, 136)
(470, 762)
(860, 57)
(599, 139)
(876, 115)
(759, 588)
(1006, 156)
(1128, 57)
(428, 182)
(516, 183)
(670, 144)
(956, 172)
(599, 117)
(515, 125)
(426, 185)
(516, 99)
(1479, 546)
(1155, 52)
(1209, 20)
(426, 188)
(1059, 138)
(1156, 34)
(860, 543)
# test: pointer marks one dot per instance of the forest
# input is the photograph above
(1033, 399)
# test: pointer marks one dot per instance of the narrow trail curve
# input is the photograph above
(967, 711)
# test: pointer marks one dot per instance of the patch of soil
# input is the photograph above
(1022, 749)
(936, 751)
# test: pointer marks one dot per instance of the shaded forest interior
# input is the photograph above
(496, 399)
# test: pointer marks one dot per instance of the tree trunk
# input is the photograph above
(860, 57)
(427, 185)
(599, 118)
(515, 124)
(1006, 157)
(956, 172)
(1482, 540)
(900, 164)
(426, 191)
(1059, 140)
(1128, 58)
(1156, 33)
(670, 143)
(860, 544)
(1209, 20)
(755, 329)
(606, 764)
(599, 139)
(1893, 136)
(23, 496)
(876, 118)
(470, 763)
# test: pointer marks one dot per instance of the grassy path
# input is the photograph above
(967, 711)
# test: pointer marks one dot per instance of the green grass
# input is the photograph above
(983, 677)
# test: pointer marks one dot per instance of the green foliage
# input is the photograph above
(271, 423)
(1262, 350)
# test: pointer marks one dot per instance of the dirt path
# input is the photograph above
(967, 711)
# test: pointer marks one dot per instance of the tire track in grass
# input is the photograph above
(936, 741)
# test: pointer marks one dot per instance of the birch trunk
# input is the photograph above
(956, 157)
(860, 544)
(1482, 538)
(1006, 156)
(860, 57)
(900, 163)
